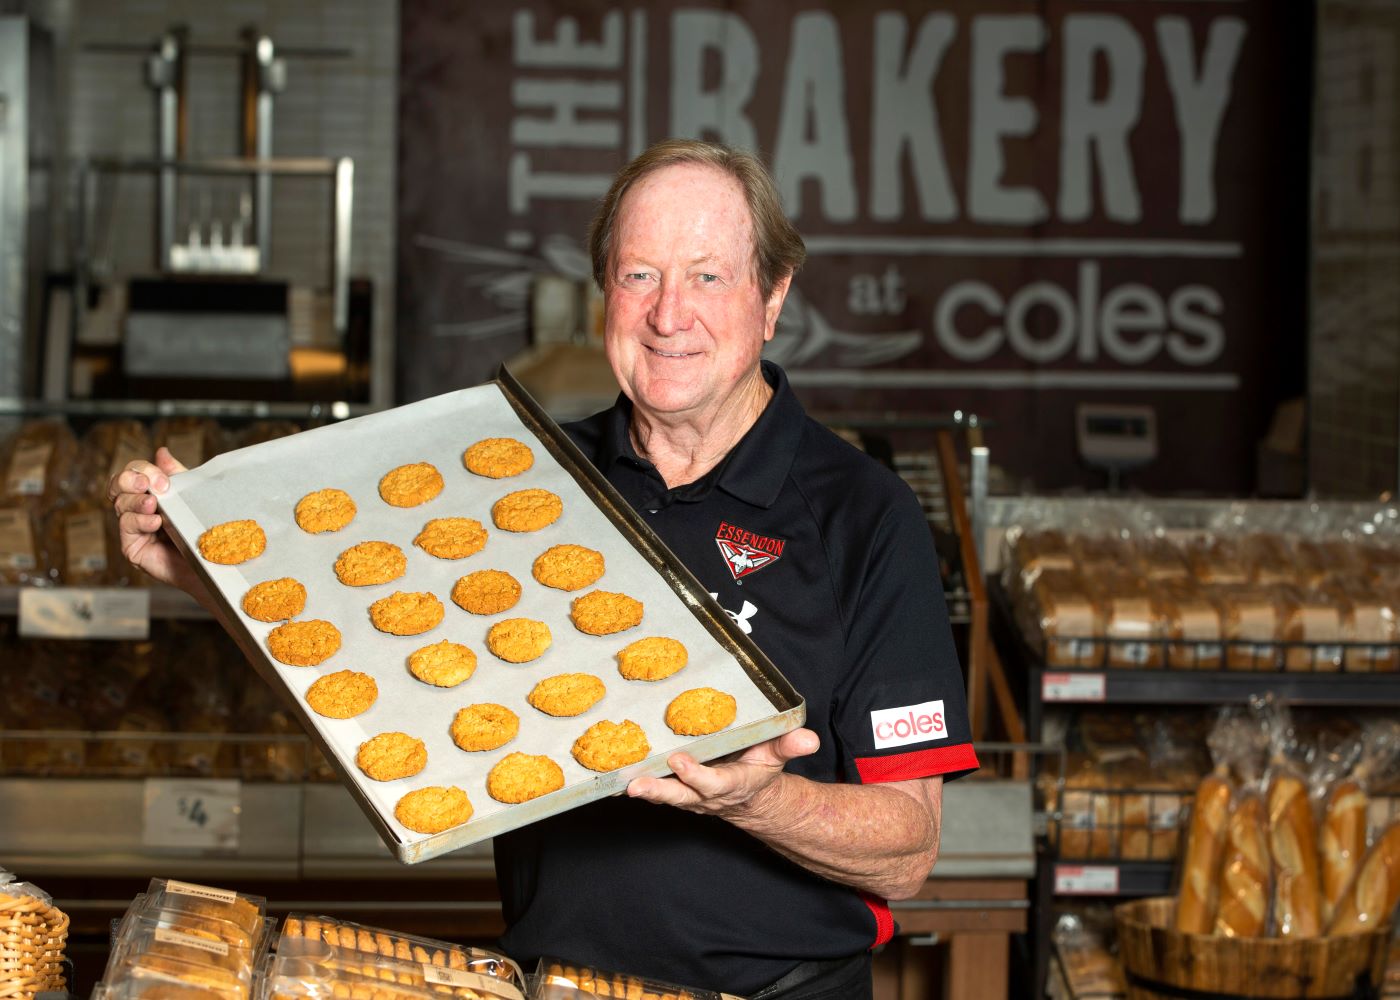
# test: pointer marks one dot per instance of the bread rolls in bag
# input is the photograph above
(1293, 849)
(1196, 904)
(1371, 899)
(1244, 871)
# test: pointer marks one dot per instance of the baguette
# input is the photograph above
(1343, 841)
(1244, 874)
(1195, 908)
(1293, 848)
(1368, 903)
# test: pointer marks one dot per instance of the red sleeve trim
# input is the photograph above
(917, 764)
(884, 919)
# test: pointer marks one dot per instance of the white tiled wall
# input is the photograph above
(341, 106)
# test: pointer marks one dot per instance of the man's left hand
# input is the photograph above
(730, 787)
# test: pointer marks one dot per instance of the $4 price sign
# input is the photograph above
(192, 813)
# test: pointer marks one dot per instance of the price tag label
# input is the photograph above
(189, 813)
(84, 613)
(167, 936)
(1073, 686)
(438, 976)
(1086, 880)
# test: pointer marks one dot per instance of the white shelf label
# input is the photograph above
(84, 612)
(1086, 880)
(167, 936)
(1073, 686)
(192, 813)
(438, 976)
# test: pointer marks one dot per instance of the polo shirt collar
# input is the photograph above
(756, 467)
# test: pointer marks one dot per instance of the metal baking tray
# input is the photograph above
(264, 482)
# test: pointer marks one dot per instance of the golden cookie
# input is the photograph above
(486, 592)
(443, 664)
(433, 809)
(498, 458)
(410, 485)
(233, 542)
(568, 567)
(567, 694)
(342, 695)
(700, 712)
(369, 563)
(275, 600)
(451, 537)
(606, 746)
(526, 510)
(651, 659)
(518, 640)
(603, 612)
(325, 510)
(303, 644)
(520, 777)
(484, 727)
(390, 756)
(406, 613)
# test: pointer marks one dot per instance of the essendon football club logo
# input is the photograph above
(744, 552)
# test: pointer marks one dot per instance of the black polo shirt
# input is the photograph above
(824, 557)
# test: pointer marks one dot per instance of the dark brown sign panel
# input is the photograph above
(1009, 207)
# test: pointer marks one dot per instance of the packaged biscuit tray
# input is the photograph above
(401, 635)
(179, 937)
(555, 979)
(321, 956)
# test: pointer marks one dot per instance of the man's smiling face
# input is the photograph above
(686, 320)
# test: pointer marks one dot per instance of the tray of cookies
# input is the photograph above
(469, 620)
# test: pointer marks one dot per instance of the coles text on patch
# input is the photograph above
(894, 727)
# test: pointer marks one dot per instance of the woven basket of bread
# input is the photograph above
(33, 933)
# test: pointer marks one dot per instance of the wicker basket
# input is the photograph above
(32, 937)
(1162, 964)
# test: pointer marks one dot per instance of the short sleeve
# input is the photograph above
(901, 710)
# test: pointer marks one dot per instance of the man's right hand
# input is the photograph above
(131, 492)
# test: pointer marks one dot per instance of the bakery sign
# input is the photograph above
(997, 198)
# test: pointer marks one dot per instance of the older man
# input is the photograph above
(769, 877)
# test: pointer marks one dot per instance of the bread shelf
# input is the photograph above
(1107, 878)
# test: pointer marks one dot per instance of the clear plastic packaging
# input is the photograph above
(341, 950)
(556, 979)
(1193, 625)
(37, 465)
(238, 917)
(1252, 617)
(1091, 971)
(1217, 560)
(1311, 629)
(1369, 626)
(1297, 903)
(1066, 619)
(1131, 621)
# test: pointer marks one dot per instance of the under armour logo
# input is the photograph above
(742, 616)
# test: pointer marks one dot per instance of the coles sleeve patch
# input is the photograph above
(896, 727)
(951, 760)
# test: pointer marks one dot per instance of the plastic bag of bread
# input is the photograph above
(1311, 629)
(1269, 559)
(1090, 969)
(1346, 804)
(81, 541)
(104, 451)
(1330, 559)
(1369, 626)
(1237, 744)
(1297, 903)
(1370, 900)
(1060, 615)
(1032, 551)
(1217, 560)
(1097, 553)
(1243, 909)
(557, 979)
(1253, 619)
(1130, 620)
(38, 464)
(1090, 810)
(22, 559)
(192, 440)
(1192, 623)
(1159, 559)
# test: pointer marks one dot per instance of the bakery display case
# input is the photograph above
(1128, 623)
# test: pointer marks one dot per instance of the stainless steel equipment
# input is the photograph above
(25, 88)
